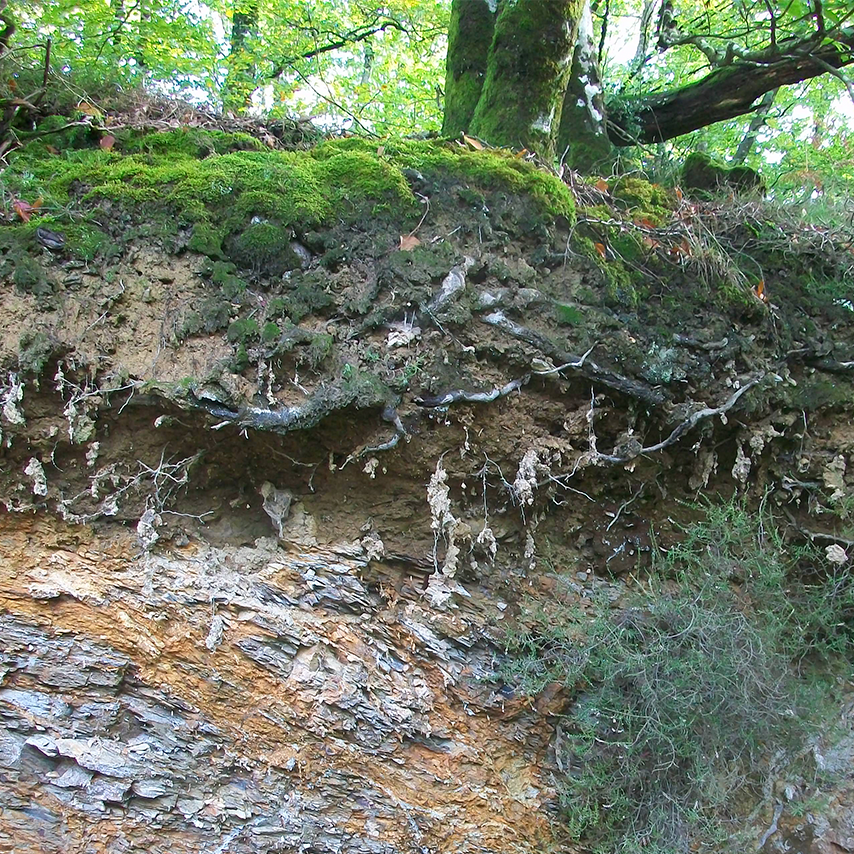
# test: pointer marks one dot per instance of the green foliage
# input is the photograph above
(380, 75)
(685, 690)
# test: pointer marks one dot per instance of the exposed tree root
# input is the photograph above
(682, 428)
(633, 388)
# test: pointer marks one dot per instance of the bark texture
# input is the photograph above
(469, 38)
(528, 68)
(727, 92)
(582, 138)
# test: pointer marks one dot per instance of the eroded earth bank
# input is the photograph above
(293, 442)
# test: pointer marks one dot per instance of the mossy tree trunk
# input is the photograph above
(240, 82)
(469, 38)
(527, 71)
(582, 135)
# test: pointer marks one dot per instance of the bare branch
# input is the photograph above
(352, 37)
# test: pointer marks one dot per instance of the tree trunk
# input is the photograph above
(582, 136)
(240, 82)
(528, 66)
(469, 38)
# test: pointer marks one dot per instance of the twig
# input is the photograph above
(625, 505)
(837, 73)
(575, 364)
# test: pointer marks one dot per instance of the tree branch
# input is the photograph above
(347, 38)
(729, 91)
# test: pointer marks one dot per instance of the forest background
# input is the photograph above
(379, 69)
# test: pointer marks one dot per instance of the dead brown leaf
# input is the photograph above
(24, 209)
(408, 242)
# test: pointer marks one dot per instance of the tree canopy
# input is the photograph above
(756, 82)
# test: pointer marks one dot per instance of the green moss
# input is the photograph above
(212, 315)
(206, 240)
(598, 212)
(627, 245)
(243, 331)
(89, 242)
(620, 289)
(223, 275)
(472, 198)
(319, 349)
(34, 352)
(264, 247)
(243, 203)
(818, 392)
(364, 389)
(27, 273)
(226, 190)
(488, 169)
(526, 75)
(701, 173)
(308, 296)
(270, 332)
(240, 360)
(187, 142)
(470, 35)
(645, 200)
(568, 315)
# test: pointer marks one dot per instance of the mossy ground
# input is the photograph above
(221, 183)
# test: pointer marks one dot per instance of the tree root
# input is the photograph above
(459, 396)
(633, 388)
(682, 428)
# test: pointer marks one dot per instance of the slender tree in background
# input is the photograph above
(240, 81)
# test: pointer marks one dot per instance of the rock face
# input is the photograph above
(258, 696)
(265, 535)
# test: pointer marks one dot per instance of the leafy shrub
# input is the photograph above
(686, 691)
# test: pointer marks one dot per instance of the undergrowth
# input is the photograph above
(691, 692)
